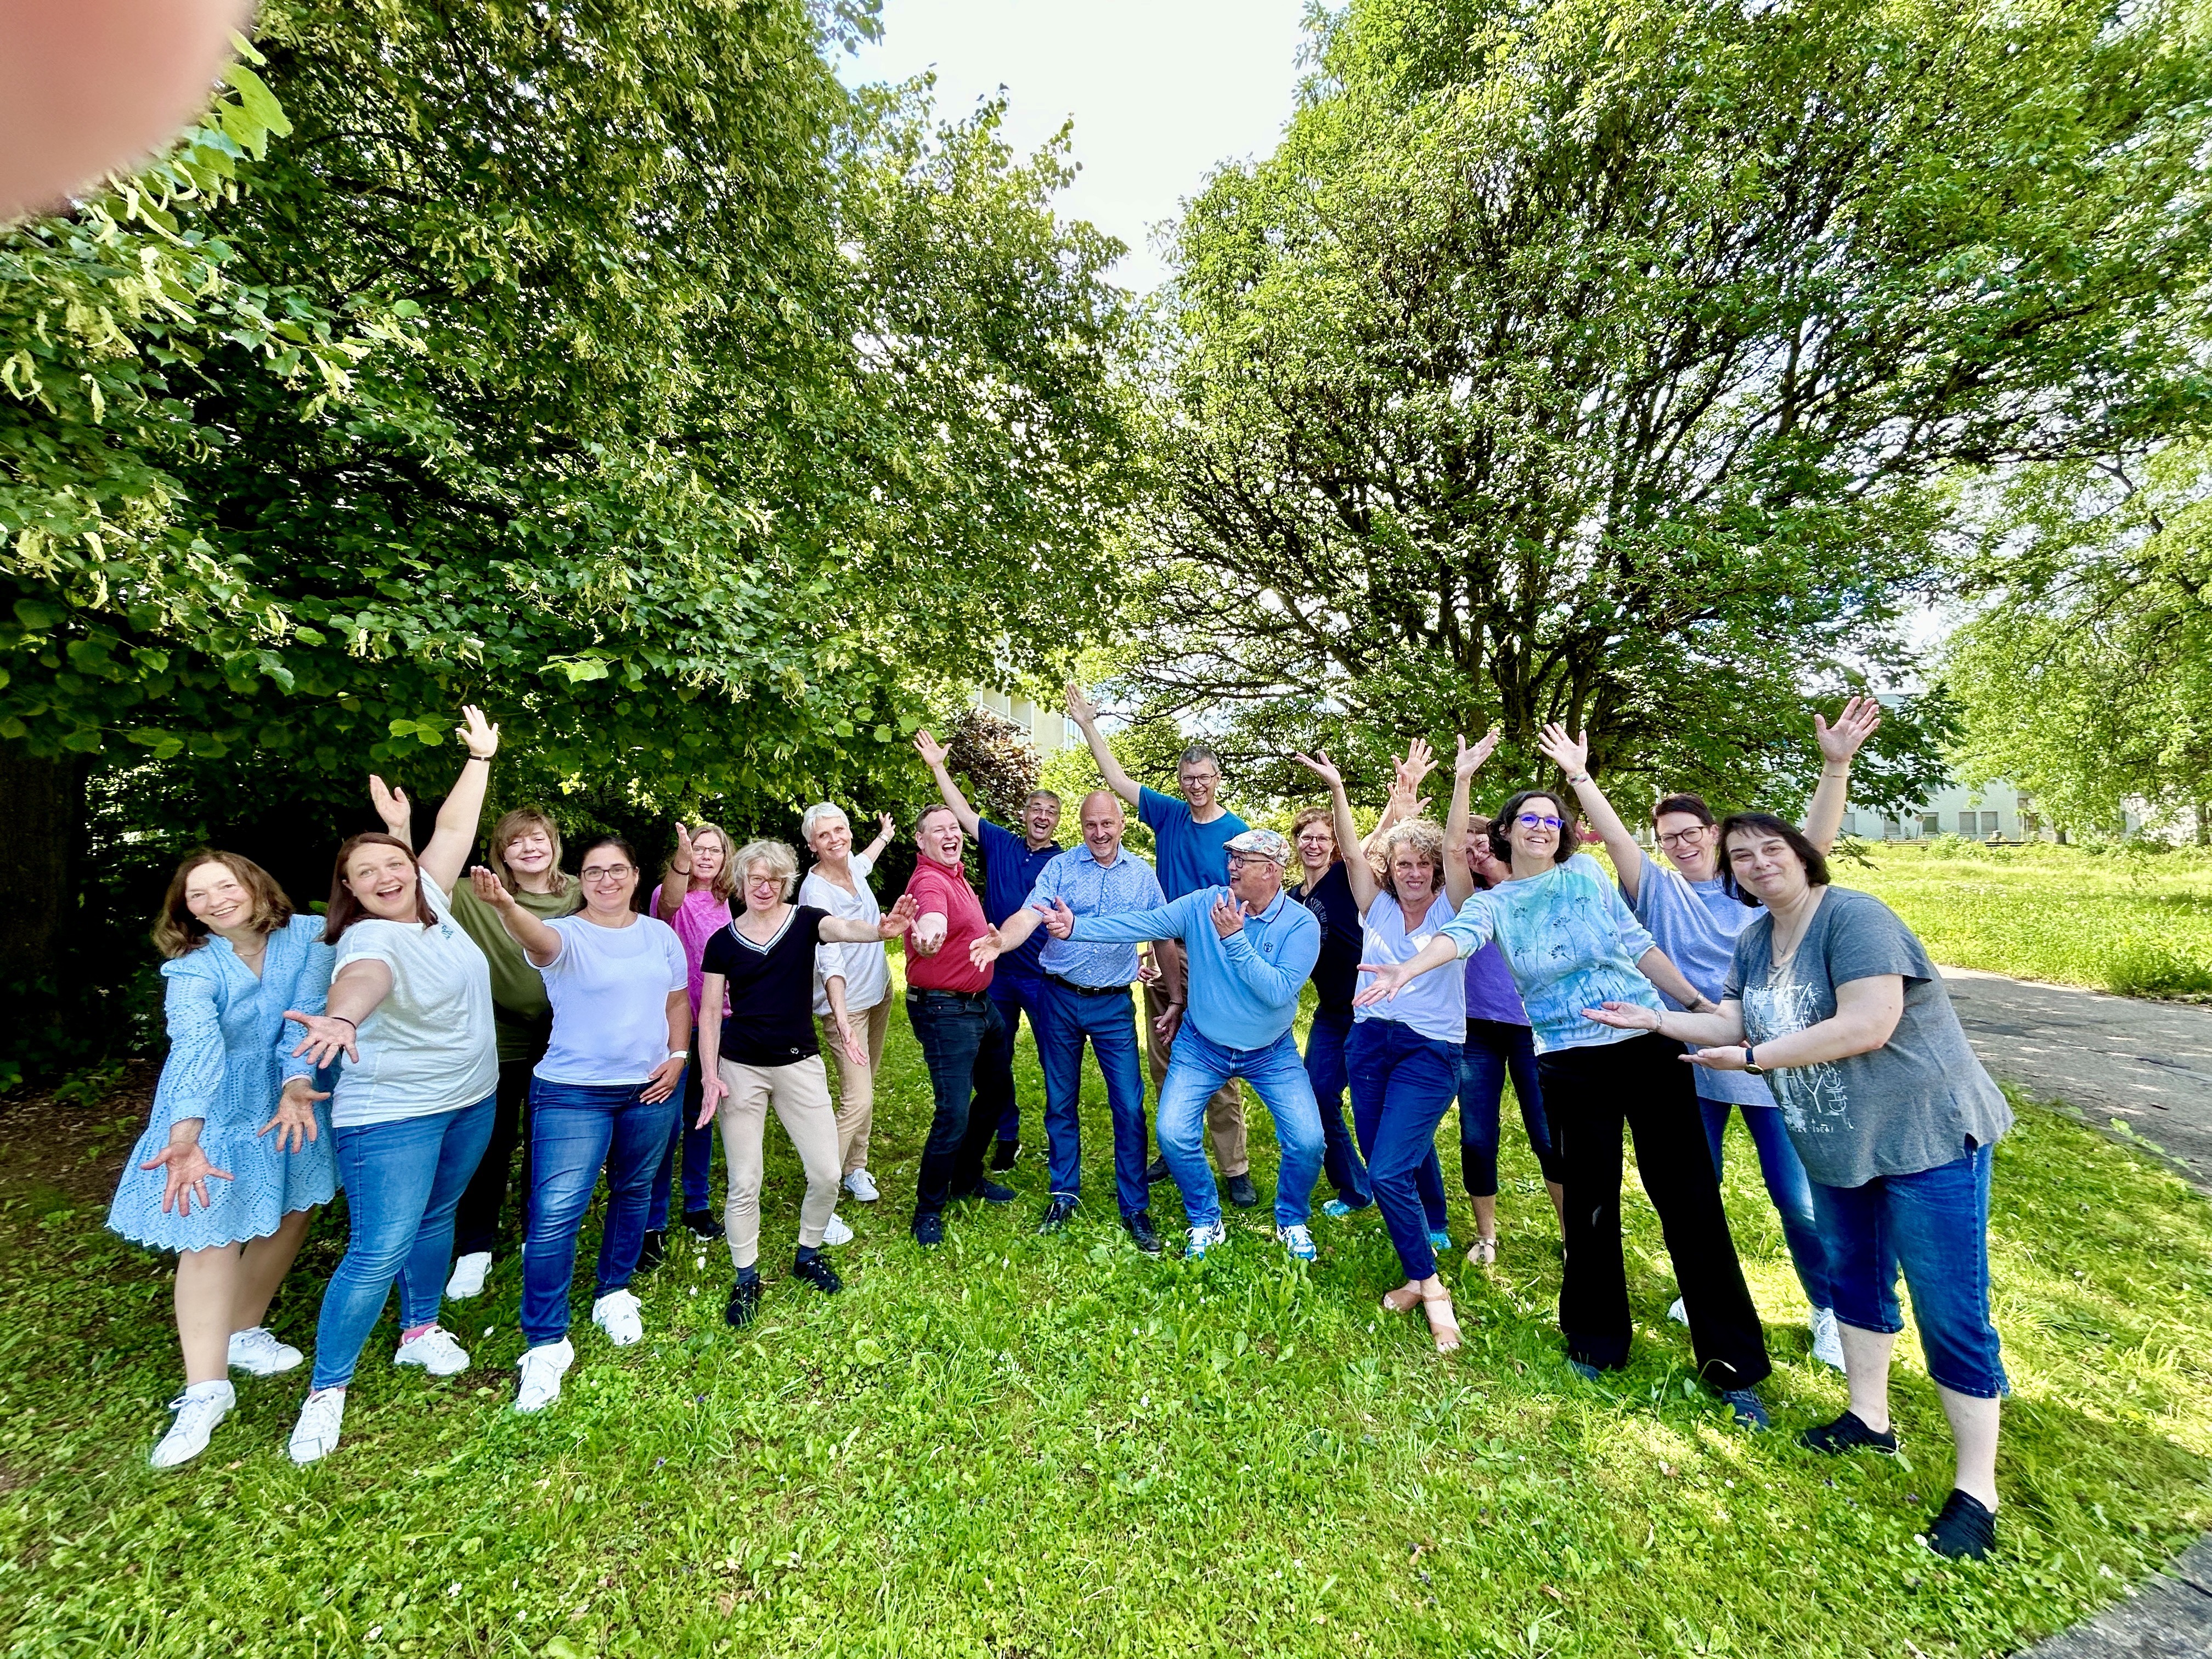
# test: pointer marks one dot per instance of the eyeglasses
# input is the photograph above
(1530, 821)
(1238, 861)
(1679, 837)
(599, 873)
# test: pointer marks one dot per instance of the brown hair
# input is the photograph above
(1684, 802)
(1477, 830)
(1765, 823)
(346, 909)
(1428, 841)
(1570, 834)
(1318, 815)
(512, 824)
(178, 932)
(726, 883)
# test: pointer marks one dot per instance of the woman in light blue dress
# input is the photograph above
(239, 1152)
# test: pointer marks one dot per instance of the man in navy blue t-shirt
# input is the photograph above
(1190, 838)
(1011, 864)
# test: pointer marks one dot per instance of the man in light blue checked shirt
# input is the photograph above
(1086, 995)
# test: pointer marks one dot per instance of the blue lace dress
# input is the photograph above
(230, 1050)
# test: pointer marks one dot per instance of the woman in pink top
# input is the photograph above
(693, 898)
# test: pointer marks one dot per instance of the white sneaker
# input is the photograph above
(1680, 1313)
(1203, 1239)
(836, 1232)
(542, 1369)
(1298, 1241)
(469, 1275)
(1827, 1344)
(616, 1314)
(435, 1352)
(198, 1409)
(258, 1353)
(862, 1186)
(316, 1434)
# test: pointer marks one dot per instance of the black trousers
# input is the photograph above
(1589, 1094)
(476, 1222)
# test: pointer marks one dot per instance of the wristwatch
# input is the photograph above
(1751, 1067)
(676, 1053)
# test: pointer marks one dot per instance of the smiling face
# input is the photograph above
(1254, 879)
(1200, 781)
(938, 837)
(763, 887)
(1041, 818)
(1535, 833)
(1101, 825)
(1316, 848)
(1414, 877)
(1488, 868)
(383, 881)
(1691, 846)
(609, 878)
(218, 899)
(1768, 867)
(832, 839)
(529, 851)
(709, 855)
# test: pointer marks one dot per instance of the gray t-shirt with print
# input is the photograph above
(1910, 1105)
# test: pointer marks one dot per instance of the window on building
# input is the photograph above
(1850, 824)
(1988, 824)
(1930, 824)
(1970, 824)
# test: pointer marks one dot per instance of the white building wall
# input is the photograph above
(1049, 729)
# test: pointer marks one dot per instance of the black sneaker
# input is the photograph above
(1058, 1213)
(703, 1224)
(1004, 1154)
(1241, 1193)
(1847, 1433)
(1142, 1231)
(1749, 1409)
(1157, 1170)
(653, 1251)
(990, 1192)
(743, 1303)
(929, 1230)
(1963, 1530)
(816, 1271)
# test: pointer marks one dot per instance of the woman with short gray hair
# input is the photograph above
(852, 985)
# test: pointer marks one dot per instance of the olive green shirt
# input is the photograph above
(521, 1016)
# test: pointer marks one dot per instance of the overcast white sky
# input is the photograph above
(1161, 91)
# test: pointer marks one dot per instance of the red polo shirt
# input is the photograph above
(942, 890)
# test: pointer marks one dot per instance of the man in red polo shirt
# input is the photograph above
(962, 1036)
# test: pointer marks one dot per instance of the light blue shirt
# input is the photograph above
(1571, 942)
(1696, 923)
(1243, 989)
(1091, 889)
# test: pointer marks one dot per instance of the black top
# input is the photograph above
(1336, 970)
(771, 1017)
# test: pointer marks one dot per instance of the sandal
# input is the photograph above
(1442, 1324)
(1483, 1253)
(1404, 1299)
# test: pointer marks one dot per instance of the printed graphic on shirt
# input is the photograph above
(1812, 1097)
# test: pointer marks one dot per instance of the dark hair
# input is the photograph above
(1765, 823)
(345, 910)
(178, 932)
(1502, 849)
(615, 841)
(1693, 805)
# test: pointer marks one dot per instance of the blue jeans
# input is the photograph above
(1402, 1084)
(964, 1043)
(1013, 993)
(1494, 1050)
(1197, 1067)
(1787, 1185)
(403, 1181)
(1325, 1070)
(575, 1130)
(698, 1153)
(1110, 1023)
(1935, 1225)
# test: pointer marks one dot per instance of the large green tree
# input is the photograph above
(1601, 360)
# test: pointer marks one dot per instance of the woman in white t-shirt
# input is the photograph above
(410, 1010)
(852, 985)
(604, 1095)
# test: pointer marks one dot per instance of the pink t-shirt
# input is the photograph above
(695, 921)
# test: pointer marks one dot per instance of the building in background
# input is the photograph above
(1993, 812)
(1049, 729)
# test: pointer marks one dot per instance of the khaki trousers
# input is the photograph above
(856, 1085)
(1225, 1112)
(800, 1095)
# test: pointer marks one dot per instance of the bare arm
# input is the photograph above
(1009, 935)
(1459, 879)
(1358, 874)
(713, 988)
(1083, 714)
(1867, 1012)
(1724, 1025)
(448, 854)
(932, 753)
(1655, 965)
(1839, 743)
(540, 944)
(1572, 755)
(665, 1076)
(360, 985)
(838, 930)
(676, 875)
(886, 829)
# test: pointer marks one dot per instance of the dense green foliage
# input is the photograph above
(1603, 361)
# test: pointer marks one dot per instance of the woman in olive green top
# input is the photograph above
(526, 849)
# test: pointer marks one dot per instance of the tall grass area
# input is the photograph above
(1039, 1446)
(2120, 918)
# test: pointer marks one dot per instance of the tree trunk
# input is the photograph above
(42, 824)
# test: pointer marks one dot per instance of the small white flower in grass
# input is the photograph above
(489, 1329)
(454, 1588)
(374, 1631)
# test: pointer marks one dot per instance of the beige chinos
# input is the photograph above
(799, 1093)
(1224, 1113)
(856, 1085)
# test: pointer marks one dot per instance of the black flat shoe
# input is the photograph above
(653, 1251)
(1157, 1170)
(1963, 1530)
(1141, 1231)
(817, 1271)
(1004, 1154)
(1057, 1214)
(1241, 1193)
(705, 1223)
(929, 1230)
(743, 1303)
(1847, 1434)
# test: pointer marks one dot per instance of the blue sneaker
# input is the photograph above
(1440, 1240)
(1336, 1209)
(990, 1192)
(929, 1230)
(1298, 1241)
(1750, 1411)
(1203, 1239)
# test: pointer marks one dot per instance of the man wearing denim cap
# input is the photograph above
(1251, 949)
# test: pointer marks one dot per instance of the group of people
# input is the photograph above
(399, 1044)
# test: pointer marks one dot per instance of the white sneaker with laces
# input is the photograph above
(198, 1409)
(1680, 1313)
(862, 1186)
(468, 1279)
(1827, 1344)
(1203, 1239)
(435, 1352)
(1298, 1241)
(316, 1434)
(836, 1232)
(542, 1370)
(616, 1314)
(258, 1353)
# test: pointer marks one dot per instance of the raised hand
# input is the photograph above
(886, 825)
(682, 861)
(1469, 761)
(1229, 918)
(1572, 753)
(1625, 1016)
(1418, 760)
(1322, 766)
(1060, 921)
(1861, 719)
(189, 1173)
(328, 1037)
(931, 751)
(392, 808)
(479, 733)
(1080, 708)
(900, 917)
(295, 1122)
(489, 888)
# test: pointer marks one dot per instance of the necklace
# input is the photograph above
(1781, 951)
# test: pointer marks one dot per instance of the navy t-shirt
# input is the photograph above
(1011, 867)
(1336, 970)
(1192, 855)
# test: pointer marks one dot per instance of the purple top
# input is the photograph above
(1490, 992)
(695, 921)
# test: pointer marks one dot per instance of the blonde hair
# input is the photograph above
(514, 822)
(725, 884)
(781, 862)
(1427, 838)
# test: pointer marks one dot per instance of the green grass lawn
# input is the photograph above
(2136, 923)
(1021, 1446)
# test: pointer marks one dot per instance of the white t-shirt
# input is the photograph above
(609, 988)
(1434, 1005)
(867, 976)
(428, 1046)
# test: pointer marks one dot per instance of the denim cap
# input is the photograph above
(1262, 843)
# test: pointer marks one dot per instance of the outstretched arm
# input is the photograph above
(1358, 872)
(1839, 744)
(1009, 935)
(932, 753)
(1572, 755)
(448, 854)
(1459, 879)
(540, 944)
(1081, 711)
